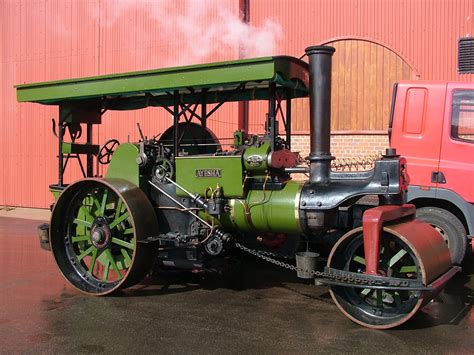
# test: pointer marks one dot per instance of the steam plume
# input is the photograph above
(198, 34)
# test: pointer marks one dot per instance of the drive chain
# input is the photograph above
(315, 273)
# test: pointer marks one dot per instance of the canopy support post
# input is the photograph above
(204, 109)
(60, 150)
(175, 122)
(288, 122)
(90, 158)
(272, 130)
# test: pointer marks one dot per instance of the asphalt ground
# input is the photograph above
(260, 309)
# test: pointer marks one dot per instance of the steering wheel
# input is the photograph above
(106, 151)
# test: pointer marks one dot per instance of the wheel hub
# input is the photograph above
(100, 234)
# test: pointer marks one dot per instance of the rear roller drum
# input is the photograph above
(404, 253)
(97, 226)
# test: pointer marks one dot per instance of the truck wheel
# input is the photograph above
(450, 228)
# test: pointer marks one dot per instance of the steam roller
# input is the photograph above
(184, 199)
(410, 252)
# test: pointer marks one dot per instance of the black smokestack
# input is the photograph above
(320, 59)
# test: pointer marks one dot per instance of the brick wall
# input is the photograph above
(345, 145)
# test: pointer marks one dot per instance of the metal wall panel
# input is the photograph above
(423, 33)
(41, 40)
(56, 39)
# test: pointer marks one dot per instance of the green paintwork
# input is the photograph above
(77, 148)
(124, 165)
(408, 269)
(359, 259)
(239, 138)
(55, 192)
(118, 254)
(270, 211)
(219, 78)
(256, 158)
(230, 181)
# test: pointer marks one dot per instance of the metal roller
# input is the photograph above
(410, 250)
(427, 244)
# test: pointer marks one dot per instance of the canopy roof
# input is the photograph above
(246, 79)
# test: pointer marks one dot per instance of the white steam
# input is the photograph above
(195, 30)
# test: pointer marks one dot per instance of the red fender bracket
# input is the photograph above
(372, 223)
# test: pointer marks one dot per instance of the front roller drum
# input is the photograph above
(411, 250)
(98, 233)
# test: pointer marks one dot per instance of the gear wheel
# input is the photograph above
(163, 169)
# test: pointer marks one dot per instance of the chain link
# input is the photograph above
(274, 255)
(318, 274)
(261, 255)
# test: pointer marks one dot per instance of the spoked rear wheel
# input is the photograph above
(377, 308)
(97, 226)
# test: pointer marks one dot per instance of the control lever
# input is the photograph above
(140, 132)
(142, 159)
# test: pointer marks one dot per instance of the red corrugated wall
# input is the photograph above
(56, 39)
(424, 33)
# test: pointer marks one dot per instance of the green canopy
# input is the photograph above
(246, 79)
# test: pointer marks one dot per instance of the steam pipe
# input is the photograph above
(320, 59)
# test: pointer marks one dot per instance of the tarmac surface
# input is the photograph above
(261, 309)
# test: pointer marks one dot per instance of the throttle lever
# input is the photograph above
(142, 158)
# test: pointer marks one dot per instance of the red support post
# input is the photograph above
(372, 223)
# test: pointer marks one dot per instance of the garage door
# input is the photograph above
(363, 76)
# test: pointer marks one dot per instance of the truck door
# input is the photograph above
(416, 128)
(456, 169)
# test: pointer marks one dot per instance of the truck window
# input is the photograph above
(462, 115)
(415, 110)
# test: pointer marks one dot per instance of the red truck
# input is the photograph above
(432, 125)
